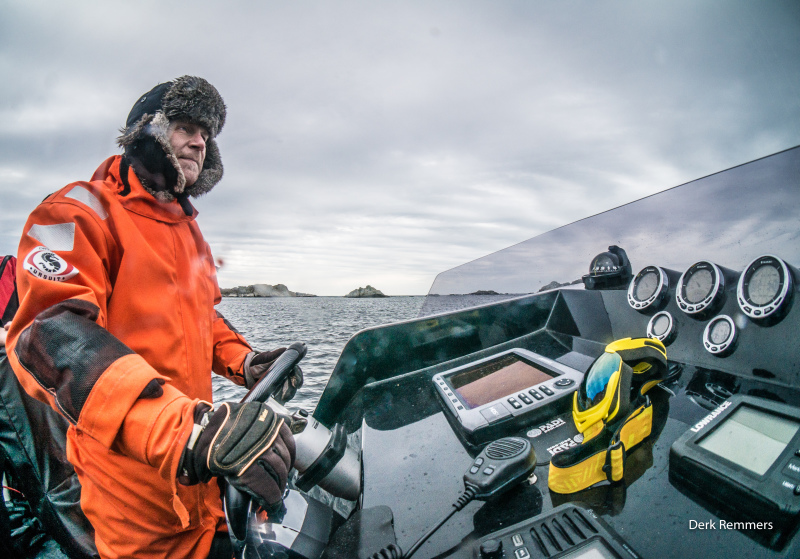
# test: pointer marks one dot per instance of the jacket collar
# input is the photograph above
(139, 200)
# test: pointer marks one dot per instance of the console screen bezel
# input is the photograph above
(481, 376)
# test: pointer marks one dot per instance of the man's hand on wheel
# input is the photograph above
(256, 364)
(247, 443)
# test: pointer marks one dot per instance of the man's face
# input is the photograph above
(189, 145)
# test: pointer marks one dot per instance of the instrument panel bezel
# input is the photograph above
(474, 422)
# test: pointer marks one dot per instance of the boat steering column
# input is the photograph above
(322, 458)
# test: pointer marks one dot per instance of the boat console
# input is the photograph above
(714, 279)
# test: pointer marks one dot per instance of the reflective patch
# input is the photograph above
(85, 197)
(58, 237)
(44, 263)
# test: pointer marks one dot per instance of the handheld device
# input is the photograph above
(499, 466)
(745, 458)
(516, 385)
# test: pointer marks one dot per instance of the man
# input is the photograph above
(117, 331)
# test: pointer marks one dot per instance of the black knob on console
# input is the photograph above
(492, 549)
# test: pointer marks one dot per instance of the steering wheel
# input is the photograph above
(236, 504)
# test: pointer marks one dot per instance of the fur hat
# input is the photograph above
(145, 137)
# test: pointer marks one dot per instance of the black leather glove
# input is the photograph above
(248, 444)
(256, 364)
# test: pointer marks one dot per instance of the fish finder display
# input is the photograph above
(744, 457)
(751, 438)
(495, 380)
(493, 396)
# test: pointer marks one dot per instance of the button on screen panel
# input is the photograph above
(751, 438)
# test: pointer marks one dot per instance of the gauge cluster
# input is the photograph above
(762, 293)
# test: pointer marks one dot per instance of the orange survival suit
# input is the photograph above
(117, 330)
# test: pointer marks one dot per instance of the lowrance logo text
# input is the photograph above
(710, 417)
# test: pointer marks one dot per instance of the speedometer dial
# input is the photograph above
(700, 288)
(765, 287)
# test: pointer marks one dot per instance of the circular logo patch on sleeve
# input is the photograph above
(46, 264)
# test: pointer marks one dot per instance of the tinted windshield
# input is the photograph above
(728, 218)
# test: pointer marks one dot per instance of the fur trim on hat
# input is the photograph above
(190, 99)
(195, 100)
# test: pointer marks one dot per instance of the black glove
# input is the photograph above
(256, 364)
(248, 444)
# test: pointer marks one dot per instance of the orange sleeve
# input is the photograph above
(58, 345)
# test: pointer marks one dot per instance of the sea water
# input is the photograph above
(325, 324)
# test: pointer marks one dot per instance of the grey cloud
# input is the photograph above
(405, 138)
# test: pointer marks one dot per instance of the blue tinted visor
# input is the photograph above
(593, 388)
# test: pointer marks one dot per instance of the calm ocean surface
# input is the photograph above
(323, 323)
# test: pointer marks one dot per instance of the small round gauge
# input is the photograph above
(662, 327)
(648, 288)
(765, 287)
(700, 287)
(720, 335)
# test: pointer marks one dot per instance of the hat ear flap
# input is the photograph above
(148, 155)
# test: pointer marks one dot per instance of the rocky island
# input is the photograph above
(262, 290)
(363, 292)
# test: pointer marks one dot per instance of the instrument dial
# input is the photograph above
(720, 334)
(765, 287)
(648, 288)
(662, 327)
(700, 287)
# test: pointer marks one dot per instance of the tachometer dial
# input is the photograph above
(765, 288)
(720, 334)
(648, 289)
(700, 288)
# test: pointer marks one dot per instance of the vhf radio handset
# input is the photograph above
(499, 466)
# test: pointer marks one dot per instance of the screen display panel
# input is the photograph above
(660, 325)
(596, 549)
(751, 438)
(646, 286)
(764, 285)
(496, 379)
(699, 286)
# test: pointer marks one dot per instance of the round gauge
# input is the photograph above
(700, 287)
(720, 335)
(661, 327)
(765, 287)
(648, 288)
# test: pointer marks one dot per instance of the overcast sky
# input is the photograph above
(383, 142)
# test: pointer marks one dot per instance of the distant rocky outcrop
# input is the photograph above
(262, 290)
(556, 285)
(368, 291)
(485, 292)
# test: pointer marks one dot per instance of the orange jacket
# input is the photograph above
(117, 330)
